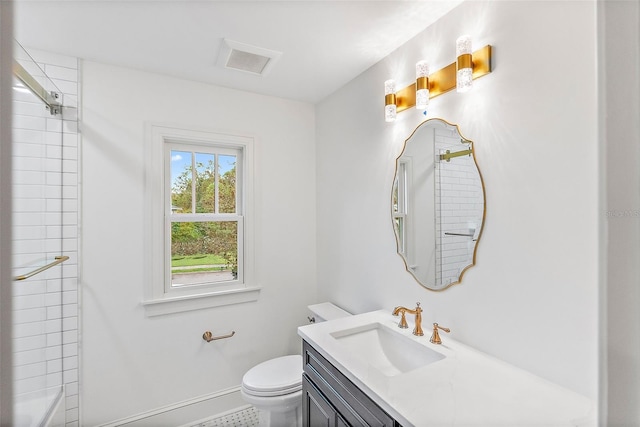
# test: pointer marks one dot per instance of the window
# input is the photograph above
(199, 234)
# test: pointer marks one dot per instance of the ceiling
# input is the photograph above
(324, 43)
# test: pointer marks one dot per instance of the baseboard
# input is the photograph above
(181, 413)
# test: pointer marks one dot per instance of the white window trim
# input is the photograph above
(157, 300)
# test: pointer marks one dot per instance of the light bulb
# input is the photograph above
(390, 108)
(464, 64)
(422, 85)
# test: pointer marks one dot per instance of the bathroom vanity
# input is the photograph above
(363, 370)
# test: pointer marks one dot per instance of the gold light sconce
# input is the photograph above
(457, 75)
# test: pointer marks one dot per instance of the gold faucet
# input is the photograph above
(403, 321)
(435, 337)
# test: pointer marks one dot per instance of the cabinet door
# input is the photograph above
(351, 403)
(316, 410)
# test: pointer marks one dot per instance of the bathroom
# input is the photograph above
(553, 290)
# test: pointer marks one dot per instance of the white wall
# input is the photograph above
(532, 298)
(619, 33)
(131, 363)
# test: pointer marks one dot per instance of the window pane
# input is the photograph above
(181, 177)
(203, 252)
(205, 183)
(227, 171)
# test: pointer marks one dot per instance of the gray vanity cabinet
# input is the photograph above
(329, 399)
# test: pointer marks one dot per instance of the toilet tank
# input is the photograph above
(326, 311)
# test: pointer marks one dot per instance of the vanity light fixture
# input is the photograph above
(422, 85)
(390, 107)
(457, 75)
(464, 64)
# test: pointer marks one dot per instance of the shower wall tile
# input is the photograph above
(46, 224)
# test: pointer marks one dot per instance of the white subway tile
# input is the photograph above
(54, 340)
(54, 165)
(71, 415)
(69, 297)
(24, 149)
(70, 375)
(29, 356)
(54, 366)
(28, 136)
(69, 350)
(53, 218)
(54, 378)
(30, 315)
(24, 164)
(70, 153)
(70, 166)
(52, 326)
(29, 232)
(29, 371)
(70, 270)
(70, 310)
(54, 312)
(28, 191)
(71, 388)
(54, 205)
(70, 192)
(29, 385)
(69, 245)
(29, 287)
(70, 337)
(53, 353)
(52, 299)
(70, 231)
(29, 122)
(70, 324)
(28, 329)
(53, 151)
(28, 205)
(56, 73)
(71, 402)
(25, 302)
(22, 108)
(52, 191)
(68, 88)
(29, 343)
(53, 138)
(70, 206)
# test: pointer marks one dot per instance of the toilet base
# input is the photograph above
(280, 411)
(292, 418)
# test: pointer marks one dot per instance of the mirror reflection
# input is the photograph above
(438, 204)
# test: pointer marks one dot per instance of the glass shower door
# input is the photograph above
(37, 244)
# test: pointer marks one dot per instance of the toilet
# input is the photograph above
(274, 387)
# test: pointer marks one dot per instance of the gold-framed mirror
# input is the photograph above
(438, 204)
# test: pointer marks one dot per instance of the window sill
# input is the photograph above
(178, 304)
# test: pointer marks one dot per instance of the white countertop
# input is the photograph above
(466, 388)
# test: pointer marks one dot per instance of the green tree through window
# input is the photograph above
(204, 244)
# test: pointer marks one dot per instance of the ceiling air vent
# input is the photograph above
(250, 59)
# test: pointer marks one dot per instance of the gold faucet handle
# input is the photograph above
(403, 320)
(435, 337)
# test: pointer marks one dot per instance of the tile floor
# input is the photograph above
(247, 417)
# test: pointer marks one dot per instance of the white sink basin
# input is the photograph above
(385, 350)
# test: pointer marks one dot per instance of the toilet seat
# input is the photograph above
(275, 377)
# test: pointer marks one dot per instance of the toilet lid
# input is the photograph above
(275, 377)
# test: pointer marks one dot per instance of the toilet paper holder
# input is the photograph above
(208, 336)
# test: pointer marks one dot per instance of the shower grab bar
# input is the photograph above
(58, 260)
(449, 155)
(458, 234)
(49, 98)
(208, 336)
